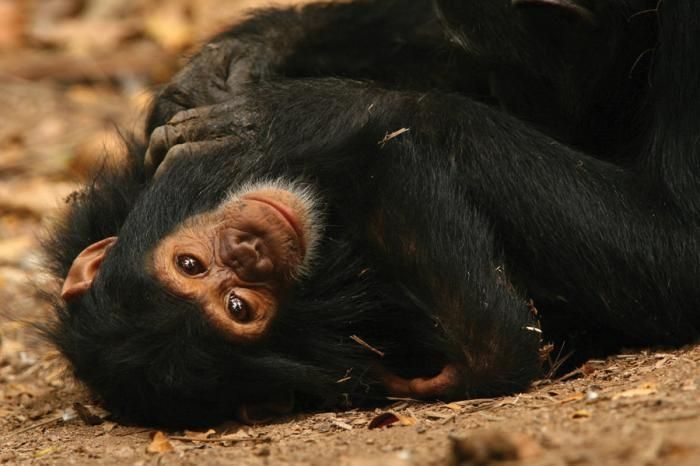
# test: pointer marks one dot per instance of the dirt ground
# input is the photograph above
(71, 72)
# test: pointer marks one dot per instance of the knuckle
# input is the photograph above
(157, 137)
(178, 151)
(184, 115)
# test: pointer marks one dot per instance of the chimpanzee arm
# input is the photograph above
(574, 229)
(398, 42)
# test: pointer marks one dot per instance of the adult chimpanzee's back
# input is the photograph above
(344, 201)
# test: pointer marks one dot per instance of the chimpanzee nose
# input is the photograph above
(247, 255)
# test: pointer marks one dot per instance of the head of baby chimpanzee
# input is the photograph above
(209, 293)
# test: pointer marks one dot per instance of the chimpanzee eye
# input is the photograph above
(190, 265)
(238, 308)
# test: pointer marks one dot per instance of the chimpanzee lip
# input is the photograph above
(286, 213)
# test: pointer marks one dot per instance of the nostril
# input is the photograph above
(245, 252)
(246, 255)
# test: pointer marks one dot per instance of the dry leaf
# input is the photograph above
(342, 425)
(86, 415)
(644, 390)
(160, 444)
(238, 435)
(581, 414)
(407, 421)
(199, 435)
(383, 420)
(572, 398)
(109, 426)
(44, 452)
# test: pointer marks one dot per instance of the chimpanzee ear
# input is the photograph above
(572, 8)
(85, 267)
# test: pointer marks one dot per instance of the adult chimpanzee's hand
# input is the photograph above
(198, 130)
(303, 115)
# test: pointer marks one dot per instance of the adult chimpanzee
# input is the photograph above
(321, 237)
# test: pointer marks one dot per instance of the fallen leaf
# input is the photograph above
(44, 452)
(194, 435)
(109, 426)
(160, 444)
(572, 398)
(581, 414)
(644, 390)
(342, 425)
(86, 415)
(383, 420)
(407, 421)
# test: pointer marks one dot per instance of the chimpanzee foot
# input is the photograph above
(437, 386)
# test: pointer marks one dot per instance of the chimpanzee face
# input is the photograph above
(239, 260)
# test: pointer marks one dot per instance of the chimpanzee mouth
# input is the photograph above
(304, 214)
(286, 213)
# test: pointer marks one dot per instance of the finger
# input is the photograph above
(194, 149)
(186, 126)
(162, 139)
(191, 115)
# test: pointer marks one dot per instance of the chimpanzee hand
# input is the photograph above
(211, 77)
(199, 130)
(308, 115)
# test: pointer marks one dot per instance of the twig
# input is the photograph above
(570, 375)
(474, 401)
(436, 415)
(389, 136)
(363, 343)
(342, 425)
(34, 426)
(182, 438)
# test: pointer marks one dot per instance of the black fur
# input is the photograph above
(151, 359)
(530, 169)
